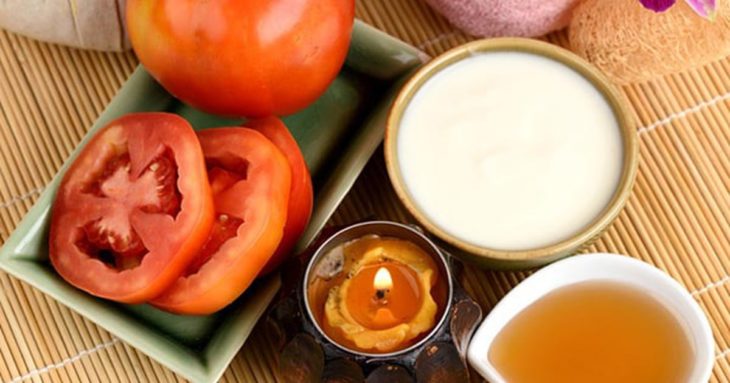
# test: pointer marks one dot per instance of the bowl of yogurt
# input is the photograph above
(512, 152)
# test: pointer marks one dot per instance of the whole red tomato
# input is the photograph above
(251, 58)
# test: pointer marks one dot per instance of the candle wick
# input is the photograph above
(380, 294)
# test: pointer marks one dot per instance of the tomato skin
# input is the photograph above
(141, 208)
(250, 58)
(301, 198)
(257, 201)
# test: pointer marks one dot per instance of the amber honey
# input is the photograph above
(594, 332)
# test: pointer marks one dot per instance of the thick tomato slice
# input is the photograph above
(133, 209)
(250, 180)
(301, 195)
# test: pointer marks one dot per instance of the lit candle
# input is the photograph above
(384, 295)
(382, 299)
(382, 283)
(376, 294)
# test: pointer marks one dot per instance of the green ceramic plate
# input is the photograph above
(337, 134)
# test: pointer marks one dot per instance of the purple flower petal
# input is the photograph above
(659, 5)
(704, 8)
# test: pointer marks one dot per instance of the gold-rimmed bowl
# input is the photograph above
(503, 259)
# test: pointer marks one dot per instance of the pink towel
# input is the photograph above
(492, 18)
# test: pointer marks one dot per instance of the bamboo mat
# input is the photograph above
(677, 219)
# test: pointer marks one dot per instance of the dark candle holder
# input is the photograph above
(308, 354)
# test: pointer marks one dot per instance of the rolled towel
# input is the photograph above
(89, 24)
(493, 18)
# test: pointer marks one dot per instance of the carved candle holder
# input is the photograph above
(308, 354)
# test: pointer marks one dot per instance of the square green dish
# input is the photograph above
(337, 134)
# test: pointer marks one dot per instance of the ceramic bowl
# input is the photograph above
(604, 267)
(495, 258)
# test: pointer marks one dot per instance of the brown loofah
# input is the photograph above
(632, 44)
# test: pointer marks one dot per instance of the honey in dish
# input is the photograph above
(594, 332)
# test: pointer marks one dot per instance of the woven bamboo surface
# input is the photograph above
(677, 219)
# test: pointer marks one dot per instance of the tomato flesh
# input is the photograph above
(132, 209)
(225, 227)
(153, 192)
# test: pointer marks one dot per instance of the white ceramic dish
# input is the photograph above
(589, 267)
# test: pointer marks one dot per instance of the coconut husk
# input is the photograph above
(633, 44)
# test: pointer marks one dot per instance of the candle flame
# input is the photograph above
(382, 280)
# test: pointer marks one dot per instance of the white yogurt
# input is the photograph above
(510, 151)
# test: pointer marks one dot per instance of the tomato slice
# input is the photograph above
(301, 196)
(250, 180)
(133, 209)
